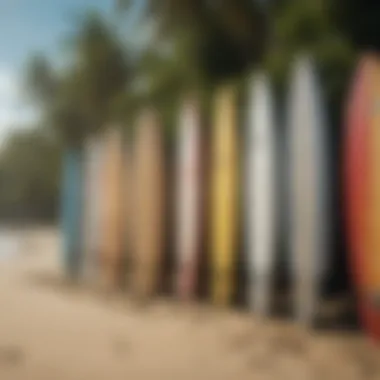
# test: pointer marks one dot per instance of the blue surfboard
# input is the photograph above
(71, 211)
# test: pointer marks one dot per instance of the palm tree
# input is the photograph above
(80, 99)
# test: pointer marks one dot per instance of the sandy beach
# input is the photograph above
(49, 330)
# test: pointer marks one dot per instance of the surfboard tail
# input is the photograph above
(71, 213)
(305, 302)
(260, 295)
(222, 287)
(186, 281)
(145, 280)
(370, 319)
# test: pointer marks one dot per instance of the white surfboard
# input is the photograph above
(260, 193)
(188, 199)
(93, 174)
(308, 189)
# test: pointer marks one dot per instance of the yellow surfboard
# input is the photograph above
(224, 196)
(112, 252)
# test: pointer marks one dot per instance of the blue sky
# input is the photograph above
(27, 26)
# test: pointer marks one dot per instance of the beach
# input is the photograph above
(50, 329)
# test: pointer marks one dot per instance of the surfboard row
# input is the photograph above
(116, 195)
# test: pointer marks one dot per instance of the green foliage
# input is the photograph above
(197, 45)
(359, 21)
(201, 44)
(80, 99)
(101, 69)
(30, 165)
(41, 81)
(74, 102)
(218, 38)
(309, 26)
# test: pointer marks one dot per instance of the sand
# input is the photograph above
(52, 331)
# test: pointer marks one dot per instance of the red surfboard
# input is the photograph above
(357, 190)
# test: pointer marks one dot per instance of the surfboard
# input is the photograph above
(93, 201)
(112, 252)
(127, 211)
(148, 204)
(361, 188)
(71, 211)
(308, 181)
(188, 209)
(260, 193)
(224, 187)
(372, 260)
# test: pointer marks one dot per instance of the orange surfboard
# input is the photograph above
(372, 278)
(148, 205)
(362, 189)
(112, 252)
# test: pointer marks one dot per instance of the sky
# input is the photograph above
(28, 26)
